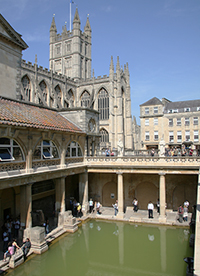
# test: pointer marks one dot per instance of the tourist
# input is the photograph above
(16, 227)
(180, 214)
(115, 206)
(78, 210)
(135, 205)
(26, 246)
(91, 205)
(186, 203)
(5, 239)
(152, 152)
(9, 252)
(9, 227)
(15, 245)
(150, 209)
(185, 213)
(98, 205)
(158, 206)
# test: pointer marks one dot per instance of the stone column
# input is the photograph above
(83, 192)
(60, 195)
(162, 192)
(120, 196)
(29, 205)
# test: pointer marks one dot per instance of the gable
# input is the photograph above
(8, 33)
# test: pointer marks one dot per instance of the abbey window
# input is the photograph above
(85, 99)
(103, 105)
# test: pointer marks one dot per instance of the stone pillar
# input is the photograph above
(29, 205)
(120, 196)
(162, 192)
(60, 195)
(26, 206)
(83, 192)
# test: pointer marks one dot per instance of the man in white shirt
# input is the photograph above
(150, 209)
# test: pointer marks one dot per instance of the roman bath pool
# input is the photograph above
(112, 249)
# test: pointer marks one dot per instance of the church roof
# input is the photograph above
(16, 113)
(153, 101)
(8, 33)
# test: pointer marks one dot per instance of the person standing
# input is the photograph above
(180, 213)
(98, 205)
(185, 213)
(150, 209)
(115, 206)
(91, 204)
(158, 206)
(135, 204)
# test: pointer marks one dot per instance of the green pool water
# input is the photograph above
(112, 249)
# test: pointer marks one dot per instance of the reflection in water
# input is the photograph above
(100, 248)
(151, 237)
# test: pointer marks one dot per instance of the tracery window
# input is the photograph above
(27, 88)
(103, 104)
(104, 135)
(74, 150)
(43, 88)
(10, 150)
(46, 150)
(85, 99)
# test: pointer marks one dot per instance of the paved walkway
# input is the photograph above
(141, 216)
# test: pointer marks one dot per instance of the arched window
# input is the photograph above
(27, 88)
(45, 150)
(103, 105)
(58, 92)
(104, 135)
(71, 98)
(85, 99)
(10, 150)
(43, 88)
(74, 150)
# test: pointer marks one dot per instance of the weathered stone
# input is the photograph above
(16, 259)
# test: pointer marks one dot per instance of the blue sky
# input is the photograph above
(159, 39)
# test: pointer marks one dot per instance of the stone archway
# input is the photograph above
(145, 192)
(182, 192)
(109, 194)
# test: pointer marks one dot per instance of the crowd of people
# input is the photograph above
(10, 234)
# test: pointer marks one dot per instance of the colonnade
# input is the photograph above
(60, 206)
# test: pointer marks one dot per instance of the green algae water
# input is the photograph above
(113, 249)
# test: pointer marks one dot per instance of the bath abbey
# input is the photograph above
(66, 135)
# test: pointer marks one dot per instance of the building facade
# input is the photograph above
(69, 84)
(171, 124)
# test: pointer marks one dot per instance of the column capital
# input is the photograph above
(119, 172)
(161, 173)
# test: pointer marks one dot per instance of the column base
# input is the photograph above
(162, 218)
(120, 215)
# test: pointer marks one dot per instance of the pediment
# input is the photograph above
(10, 34)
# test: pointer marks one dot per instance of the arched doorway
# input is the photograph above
(109, 194)
(145, 192)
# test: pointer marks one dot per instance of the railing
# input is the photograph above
(144, 161)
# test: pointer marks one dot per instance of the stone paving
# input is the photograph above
(141, 216)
